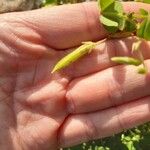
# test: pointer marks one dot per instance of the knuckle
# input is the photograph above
(115, 91)
(90, 18)
(121, 123)
(91, 131)
(70, 103)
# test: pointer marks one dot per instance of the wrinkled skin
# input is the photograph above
(90, 99)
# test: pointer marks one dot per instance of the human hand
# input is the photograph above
(93, 98)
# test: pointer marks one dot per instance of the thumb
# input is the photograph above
(66, 26)
(62, 27)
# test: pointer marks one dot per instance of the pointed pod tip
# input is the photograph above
(54, 70)
(113, 59)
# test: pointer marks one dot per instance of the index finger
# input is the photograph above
(61, 27)
(66, 26)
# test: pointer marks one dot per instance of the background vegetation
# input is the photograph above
(137, 138)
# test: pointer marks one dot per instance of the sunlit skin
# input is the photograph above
(91, 99)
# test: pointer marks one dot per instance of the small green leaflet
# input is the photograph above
(144, 29)
(108, 22)
(118, 7)
(146, 1)
(110, 6)
(143, 1)
(48, 2)
(114, 11)
(104, 4)
(112, 15)
(122, 24)
(143, 12)
(130, 25)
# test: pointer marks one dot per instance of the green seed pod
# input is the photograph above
(75, 55)
(142, 70)
(127, 60)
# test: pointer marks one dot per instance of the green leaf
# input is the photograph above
(112, 15)
(108, 22)
(146, 1)
(48, 2)
(143, 12)
(104, 4)
(110, 25)
(144, 29)
(111, 6)
(122, 24)
(126, 60)
(131, 24)
(118, 7)
(143, 1)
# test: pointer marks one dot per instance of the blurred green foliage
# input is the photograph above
(60, 2)
(137, 138)
(48, 2)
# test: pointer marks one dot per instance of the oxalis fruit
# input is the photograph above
(119, 24)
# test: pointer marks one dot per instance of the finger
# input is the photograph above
(85, 127)
(63, 27)
(111, 87)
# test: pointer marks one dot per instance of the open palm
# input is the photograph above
(40, 110)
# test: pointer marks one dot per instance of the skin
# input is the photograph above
(91, 99)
